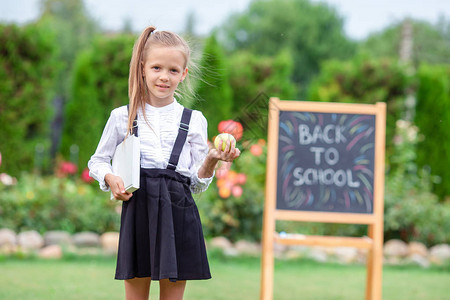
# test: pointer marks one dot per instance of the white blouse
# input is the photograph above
(156, 143)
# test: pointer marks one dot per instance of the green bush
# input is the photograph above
(367, 81)
(253, 79)
(213, 91)
(433, 119)
(27, 69)
(412, 211)
(100, 84)
(52, 203)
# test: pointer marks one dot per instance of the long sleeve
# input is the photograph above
(199, 150)
(100, 163)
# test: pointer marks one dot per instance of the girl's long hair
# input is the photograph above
(137, 88)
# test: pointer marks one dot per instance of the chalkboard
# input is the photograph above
(326, 162)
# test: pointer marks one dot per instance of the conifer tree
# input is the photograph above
(213, 90)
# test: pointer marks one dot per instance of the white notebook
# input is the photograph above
(126, 163)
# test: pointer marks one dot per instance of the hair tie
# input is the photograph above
(150, 33)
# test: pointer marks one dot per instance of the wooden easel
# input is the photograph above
(373, 242)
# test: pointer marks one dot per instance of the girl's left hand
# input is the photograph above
(229, 154)
(214, 155)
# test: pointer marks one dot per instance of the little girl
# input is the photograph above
(161, 236)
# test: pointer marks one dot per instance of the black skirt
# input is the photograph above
(160, 233)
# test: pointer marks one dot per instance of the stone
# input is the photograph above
(30, 240)
(7, 237)
(279, 249)
(318, 254)
(362, 256)
(302, 249)
(57, 238)
(416, 248)
(292, 254)
(392, 260)
(346, 255)
(439, 254)
(51, 252)
(8, 249)
(295, 252)
(396, 248)
(230, 251)
(86, 239)
(419, 260)
(110, 242)
(221, 243)
(70, 250)
(89, 251)
(249, 248)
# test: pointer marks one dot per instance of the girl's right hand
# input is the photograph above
(117, 188)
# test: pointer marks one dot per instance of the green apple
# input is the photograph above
(224, 137)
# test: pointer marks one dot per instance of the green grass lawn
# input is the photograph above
(233, 279)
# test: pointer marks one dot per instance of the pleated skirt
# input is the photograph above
(160, 233)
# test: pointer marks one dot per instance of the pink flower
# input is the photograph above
(232, 177)
(66, 168)
(221, 173)
(7, 180)
(223, 169)
(232, 127)
(241, 178)
(85, 176)
(236, 191)
(256, 150)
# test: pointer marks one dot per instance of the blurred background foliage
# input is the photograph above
(27, 79)
(213, 84)
(61, 76)
(430, 43)
(365, 80)
(432, 116)
(312, 32)
(99, 84)
(56, 203)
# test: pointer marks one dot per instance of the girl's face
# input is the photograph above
(164, 69)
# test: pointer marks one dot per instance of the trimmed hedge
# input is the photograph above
(27, 70)
(100, 84)
(433, 119)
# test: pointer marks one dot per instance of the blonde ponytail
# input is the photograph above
(136, 83)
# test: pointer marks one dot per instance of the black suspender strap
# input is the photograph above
(181, 139)
(135, 123)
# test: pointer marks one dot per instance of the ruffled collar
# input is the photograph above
(162, 109)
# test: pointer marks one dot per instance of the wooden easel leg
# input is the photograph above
(375, 264)
(267, 270)
(369, 263)
(267, 260)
